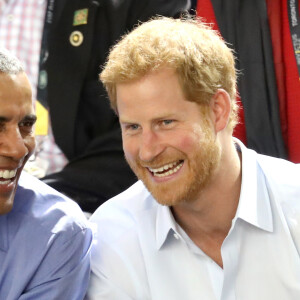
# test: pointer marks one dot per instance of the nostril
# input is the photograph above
(13, 147)
(150, 151)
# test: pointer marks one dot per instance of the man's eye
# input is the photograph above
(132, 127)
(26, 125)
(167, 122)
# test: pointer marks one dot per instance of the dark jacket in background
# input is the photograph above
(84, 126)
(244, 25)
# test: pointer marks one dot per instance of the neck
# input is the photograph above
(208, 219)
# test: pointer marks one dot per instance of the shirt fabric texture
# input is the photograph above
(44, 246)
(141, 253)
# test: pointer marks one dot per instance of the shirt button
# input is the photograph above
(10, 17)
(43, 79)
(176, 236)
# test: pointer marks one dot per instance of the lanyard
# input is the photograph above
(43, 76)
(294, 21)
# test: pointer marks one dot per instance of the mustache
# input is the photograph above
(158, 161)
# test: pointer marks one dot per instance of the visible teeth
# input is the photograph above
(166, 167)
(5, 182)
(8, 174)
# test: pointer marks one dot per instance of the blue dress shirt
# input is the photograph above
(142, 254)
(44, 246)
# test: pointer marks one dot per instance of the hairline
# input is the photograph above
(9, 64)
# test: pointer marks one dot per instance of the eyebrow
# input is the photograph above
(158, 118)
(30, 118)
(3, 119)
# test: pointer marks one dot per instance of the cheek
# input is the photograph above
(30, 144)
(130, 148)
(186, 143)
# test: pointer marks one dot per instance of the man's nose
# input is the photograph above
(12, 144)
(150, 146)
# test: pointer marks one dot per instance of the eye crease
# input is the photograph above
(28, 121)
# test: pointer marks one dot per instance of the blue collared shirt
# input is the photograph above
(141, 253)
(44, 246)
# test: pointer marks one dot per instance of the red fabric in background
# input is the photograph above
(287, 77)
(292, 89)
(205, 10)
(274, 8)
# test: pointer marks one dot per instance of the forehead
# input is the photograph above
(153, 96)
(160, 88)
(15, 95)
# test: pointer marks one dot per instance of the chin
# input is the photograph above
(7, 200)
(6, 205)
(172, 197)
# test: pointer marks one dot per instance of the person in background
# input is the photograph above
(44, 240)
(209, 218)
(265, 37)
(63, 44)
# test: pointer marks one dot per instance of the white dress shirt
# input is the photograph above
(141, 253)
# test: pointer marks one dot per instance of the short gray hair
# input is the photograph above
(9, 64)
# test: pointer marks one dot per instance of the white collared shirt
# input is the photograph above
(140, 252)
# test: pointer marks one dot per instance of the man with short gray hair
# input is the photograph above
(44, 239)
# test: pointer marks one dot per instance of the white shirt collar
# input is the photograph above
(165, 223)
(254, 203)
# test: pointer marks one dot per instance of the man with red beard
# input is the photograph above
(209, 218)
(44, 239)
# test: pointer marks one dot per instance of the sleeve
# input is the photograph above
(117, 262)
(115, 274)
(102, 288)
(64, 271)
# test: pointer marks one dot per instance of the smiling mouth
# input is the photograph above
(7, 176)
(167, 169)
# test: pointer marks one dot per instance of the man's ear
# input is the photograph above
(220, 105)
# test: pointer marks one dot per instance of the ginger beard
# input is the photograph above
(199, 169)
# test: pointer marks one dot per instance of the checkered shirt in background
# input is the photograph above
(21, 28)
